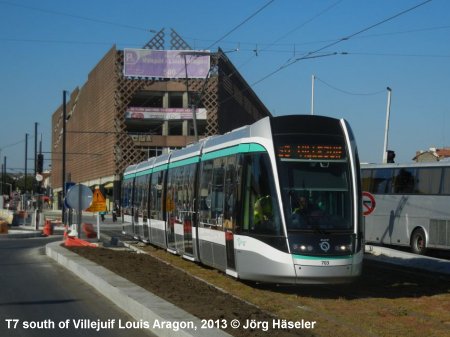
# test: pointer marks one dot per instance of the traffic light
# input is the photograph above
(390, 156)
(40, 163)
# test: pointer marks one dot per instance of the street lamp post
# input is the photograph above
(194, 115)
(313, 77)
(63, 190)
(192, 105)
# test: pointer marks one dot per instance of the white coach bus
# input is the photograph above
(412, 204)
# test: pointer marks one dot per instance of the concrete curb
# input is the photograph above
(136, 301)
(405, 259)
(20, 234)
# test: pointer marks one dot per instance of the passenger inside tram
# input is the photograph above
(263, 215)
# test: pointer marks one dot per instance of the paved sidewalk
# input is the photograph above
(406, 259)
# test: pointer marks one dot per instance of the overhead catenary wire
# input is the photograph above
(194, 57)
(349, 92)
(240, 24)
(301, 25)
(346, 38)
(80, 17)
(310, 54)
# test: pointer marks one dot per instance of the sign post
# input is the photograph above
(98, 205)
(79, 197)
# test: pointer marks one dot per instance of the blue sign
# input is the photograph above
(67, 186)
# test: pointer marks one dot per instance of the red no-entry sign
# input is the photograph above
(368, 201)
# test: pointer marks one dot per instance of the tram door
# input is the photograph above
(180, 209)
(230, 199)
(170, 223)
(187, 228)
(229, 241)
(189, 202)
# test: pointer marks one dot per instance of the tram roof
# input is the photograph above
(130, 169)
(145, 165)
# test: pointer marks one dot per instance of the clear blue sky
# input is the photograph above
(49, 46)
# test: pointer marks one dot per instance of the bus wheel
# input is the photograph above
(418, 242)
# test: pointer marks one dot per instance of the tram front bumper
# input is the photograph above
(327, 271)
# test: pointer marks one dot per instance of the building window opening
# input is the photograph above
(175, 128)
(147, 99)
(175, 100)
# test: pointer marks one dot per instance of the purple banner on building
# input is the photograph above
(164, 113)
(166, 63)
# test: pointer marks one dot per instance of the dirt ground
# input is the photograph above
(194, 296)
(386, 301)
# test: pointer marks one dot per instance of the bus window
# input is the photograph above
(404, 180)
(382, 181)
(446, 181)
(366, 180)
(428, 180)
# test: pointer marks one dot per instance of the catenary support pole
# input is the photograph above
(386, 130)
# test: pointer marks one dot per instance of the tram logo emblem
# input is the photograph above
(325, 246)
(241, 242)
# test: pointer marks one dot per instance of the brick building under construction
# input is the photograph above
(114, 120)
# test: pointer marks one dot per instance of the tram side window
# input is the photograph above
(204, 206)
(428, 180)
(137, 197)
(141, 199)
(157, 197)
(404, 180)
(446, 181)
(232, 191)
(261, 210)
(180, 192)
(188, 187)
(173, 176)
(382, 181)
(127, 189)
(212, 194)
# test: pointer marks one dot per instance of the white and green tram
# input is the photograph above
(276, 201)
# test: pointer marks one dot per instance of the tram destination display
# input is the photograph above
(311, 151)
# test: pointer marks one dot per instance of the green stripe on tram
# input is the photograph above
(241, 148)
(159, 168)
(143, 173)
(307, 257)
(184, 162)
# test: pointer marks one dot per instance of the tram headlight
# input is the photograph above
(343, 248)
(302, 248)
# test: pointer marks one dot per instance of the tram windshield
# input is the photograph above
(315, 183)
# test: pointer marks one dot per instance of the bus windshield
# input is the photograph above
(315, 185)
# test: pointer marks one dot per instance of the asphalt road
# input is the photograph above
(40, 298)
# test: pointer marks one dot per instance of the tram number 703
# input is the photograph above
(325, 263)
